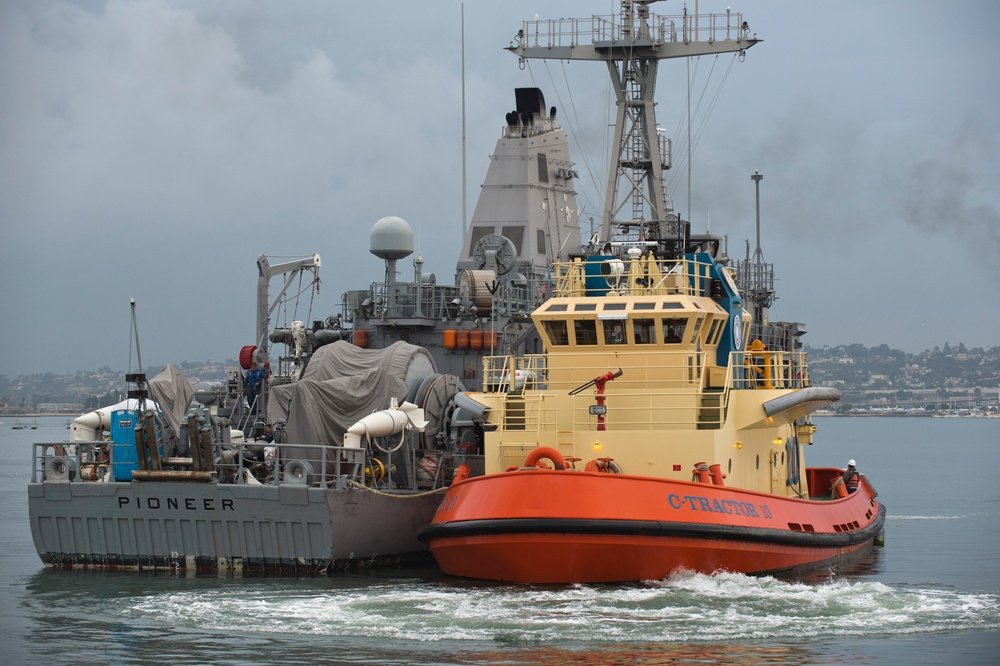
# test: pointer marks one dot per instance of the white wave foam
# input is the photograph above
(960, 516)
(684, 607)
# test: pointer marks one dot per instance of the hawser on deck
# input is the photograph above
(663, 426)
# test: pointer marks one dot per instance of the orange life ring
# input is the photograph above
(545, 452)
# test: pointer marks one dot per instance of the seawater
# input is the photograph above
(931, 596)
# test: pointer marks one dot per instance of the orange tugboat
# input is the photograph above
(650, 436)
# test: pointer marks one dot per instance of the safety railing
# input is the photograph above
(672, 390)
(657, 29)
(258, 463)
(763, 369)
(641, 274)
(664, 370)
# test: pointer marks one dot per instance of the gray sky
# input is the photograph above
(153, 149)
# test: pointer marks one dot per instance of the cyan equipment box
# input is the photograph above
(124, 458)
(597, 270)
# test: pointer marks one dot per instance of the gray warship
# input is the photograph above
(361, 420)
(346, 448)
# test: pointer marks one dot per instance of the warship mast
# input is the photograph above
(632, 44)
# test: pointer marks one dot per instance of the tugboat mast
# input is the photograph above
(756, 278)
(632, 44)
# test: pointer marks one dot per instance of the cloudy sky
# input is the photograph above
(152, 149)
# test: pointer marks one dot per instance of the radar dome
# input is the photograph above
(391, 238)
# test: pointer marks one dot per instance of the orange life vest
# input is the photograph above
(851, 478)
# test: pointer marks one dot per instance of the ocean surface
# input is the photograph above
(931, 596)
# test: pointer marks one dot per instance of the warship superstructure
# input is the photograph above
(343, 450)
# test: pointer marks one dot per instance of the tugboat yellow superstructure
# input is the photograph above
(647, 439)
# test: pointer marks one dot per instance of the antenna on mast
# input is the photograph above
(135, 330)
(631, 45)
(464, 187)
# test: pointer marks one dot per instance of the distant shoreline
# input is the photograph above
(866, 415)
(38, 415)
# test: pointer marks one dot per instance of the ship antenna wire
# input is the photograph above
(689, 134)
(573, 120)
(464, 185)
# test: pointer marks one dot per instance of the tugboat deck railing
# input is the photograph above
(634, 276)
(671, 390)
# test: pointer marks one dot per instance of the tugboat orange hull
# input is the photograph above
(576, 527)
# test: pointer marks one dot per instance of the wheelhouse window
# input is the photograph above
(614, 332)
(673, 330)
(697, 327)
(585, 331)
(556, 332)
(711, 335)
(644, 331)
(719, 330)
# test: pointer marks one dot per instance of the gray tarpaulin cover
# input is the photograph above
(173, 393)
(341, 385)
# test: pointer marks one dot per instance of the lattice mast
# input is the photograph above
(632, 44)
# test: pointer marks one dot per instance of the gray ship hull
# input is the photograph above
(213, 527)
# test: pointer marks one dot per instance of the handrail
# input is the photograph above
(636, 276)
(768, 369)
(92, 462)
(663, 370)
(660, 28)
(663, 390)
